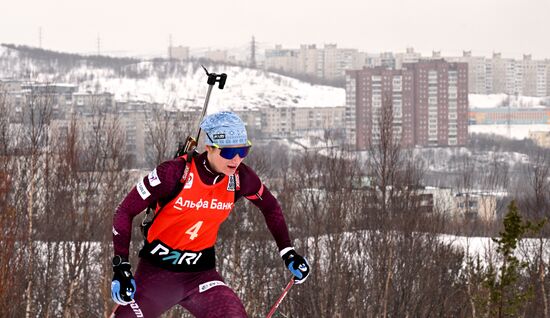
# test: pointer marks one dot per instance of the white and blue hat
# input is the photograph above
(224, 129)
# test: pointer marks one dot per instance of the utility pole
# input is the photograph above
(98, 45)
(253, 53)
(170, 47)
(40, 37)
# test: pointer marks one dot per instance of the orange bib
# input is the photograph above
(192, 219)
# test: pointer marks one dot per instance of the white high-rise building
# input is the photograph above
(329, 62)
(280, 59)
(178, 52)
(478, 67)
(534, 77)
(336, 61)
(410, 56)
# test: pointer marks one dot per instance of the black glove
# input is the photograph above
(297, 265)
(123, 286)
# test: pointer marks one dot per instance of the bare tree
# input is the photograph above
(36, 118)
(165, 129)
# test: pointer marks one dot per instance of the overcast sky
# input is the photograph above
(512, 27)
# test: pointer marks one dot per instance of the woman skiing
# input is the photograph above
(177, 261)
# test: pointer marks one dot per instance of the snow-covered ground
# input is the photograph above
(486, 248)
(440, 159)
(472, 247)
(245, 89)
(181, 86)
(513, 132)
(500, 100)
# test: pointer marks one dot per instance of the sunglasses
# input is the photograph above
(230, 153)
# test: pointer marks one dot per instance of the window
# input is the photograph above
(397, 84)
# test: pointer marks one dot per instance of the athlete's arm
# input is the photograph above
(154, 186)
(255, 191)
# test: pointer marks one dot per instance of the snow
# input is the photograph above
(486, 248)
(471, 246)
(501, 100)
(515, 131)
(245, 89)
(443, 159)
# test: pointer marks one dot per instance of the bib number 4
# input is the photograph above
(194, 230)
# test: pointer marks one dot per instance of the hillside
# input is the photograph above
(176, 84)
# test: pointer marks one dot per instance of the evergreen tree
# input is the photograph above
(507, 295)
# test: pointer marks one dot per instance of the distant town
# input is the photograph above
(428, 95)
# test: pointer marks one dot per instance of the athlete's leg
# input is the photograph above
(157, 290)
(210, 297)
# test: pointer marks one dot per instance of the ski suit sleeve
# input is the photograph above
(157, 184)
(256, 192)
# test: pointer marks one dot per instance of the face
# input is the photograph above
(220, 164)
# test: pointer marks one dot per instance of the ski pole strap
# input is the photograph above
(278, 302)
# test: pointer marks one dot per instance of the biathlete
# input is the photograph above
(177, 261)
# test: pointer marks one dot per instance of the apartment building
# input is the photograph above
(479, 71)
(280, 59)
(495, 75)
(409, 56)
(88, 103)
(385, 60)
(352, 103)
(51, 100)
(294, 121)
(336, 61)
(534, 76)
(217, 55)
(178, 52)
(427, 100)
(310, 60)
(441, 103)
(498, 75)
(481, 206)
(373, 92)
(328, 62)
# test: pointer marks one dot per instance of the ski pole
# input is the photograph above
(211, 81)
(278, 302)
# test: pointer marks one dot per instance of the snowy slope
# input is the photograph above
(245, 89)
(180, 85)
(512, 132)
(502, 100)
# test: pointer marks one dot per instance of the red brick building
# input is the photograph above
(428, 100)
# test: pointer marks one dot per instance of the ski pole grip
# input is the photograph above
(220, 78)
(213, 78)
